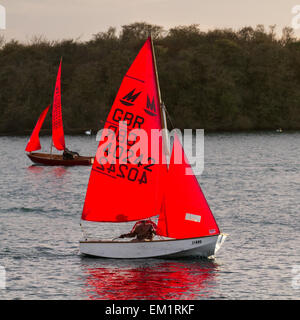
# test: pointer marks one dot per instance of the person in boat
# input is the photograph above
(143, 231)
(69, 155)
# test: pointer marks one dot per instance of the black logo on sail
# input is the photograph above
(129, 98)
(150, 108)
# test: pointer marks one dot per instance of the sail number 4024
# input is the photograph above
(127, 172)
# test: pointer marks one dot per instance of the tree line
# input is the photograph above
(219, 79)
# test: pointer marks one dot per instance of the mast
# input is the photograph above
(51, 143)
(162, 107)
(166, 141)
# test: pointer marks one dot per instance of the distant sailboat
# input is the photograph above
(68, 158)
(186, 225)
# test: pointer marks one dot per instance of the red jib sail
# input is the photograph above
(186, 213)
(34, 141)
(57, 124)
(127, 191)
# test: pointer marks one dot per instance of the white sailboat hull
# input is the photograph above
(172, 248)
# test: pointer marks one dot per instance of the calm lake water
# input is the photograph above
(251, 182)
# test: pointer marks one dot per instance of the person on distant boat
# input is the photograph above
(69, 155)
(143, 231)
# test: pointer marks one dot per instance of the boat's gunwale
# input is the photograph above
(151, 241)
(53, 156)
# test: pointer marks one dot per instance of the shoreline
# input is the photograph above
(75, 132)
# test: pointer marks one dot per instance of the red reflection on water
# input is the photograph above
(35, 169)
(165, 280)
(56, 171)
(59, 171)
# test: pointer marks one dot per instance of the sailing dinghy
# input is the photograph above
(123, 192)
(58, 139)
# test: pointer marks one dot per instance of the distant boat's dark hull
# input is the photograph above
(48, 159)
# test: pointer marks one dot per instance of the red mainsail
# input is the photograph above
(34, 141)
(127, 191)
(185, 213)
(57, 124)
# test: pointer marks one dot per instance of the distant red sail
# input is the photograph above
(34, 141)
(186, 213)
(57, 124)
(128, 191)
